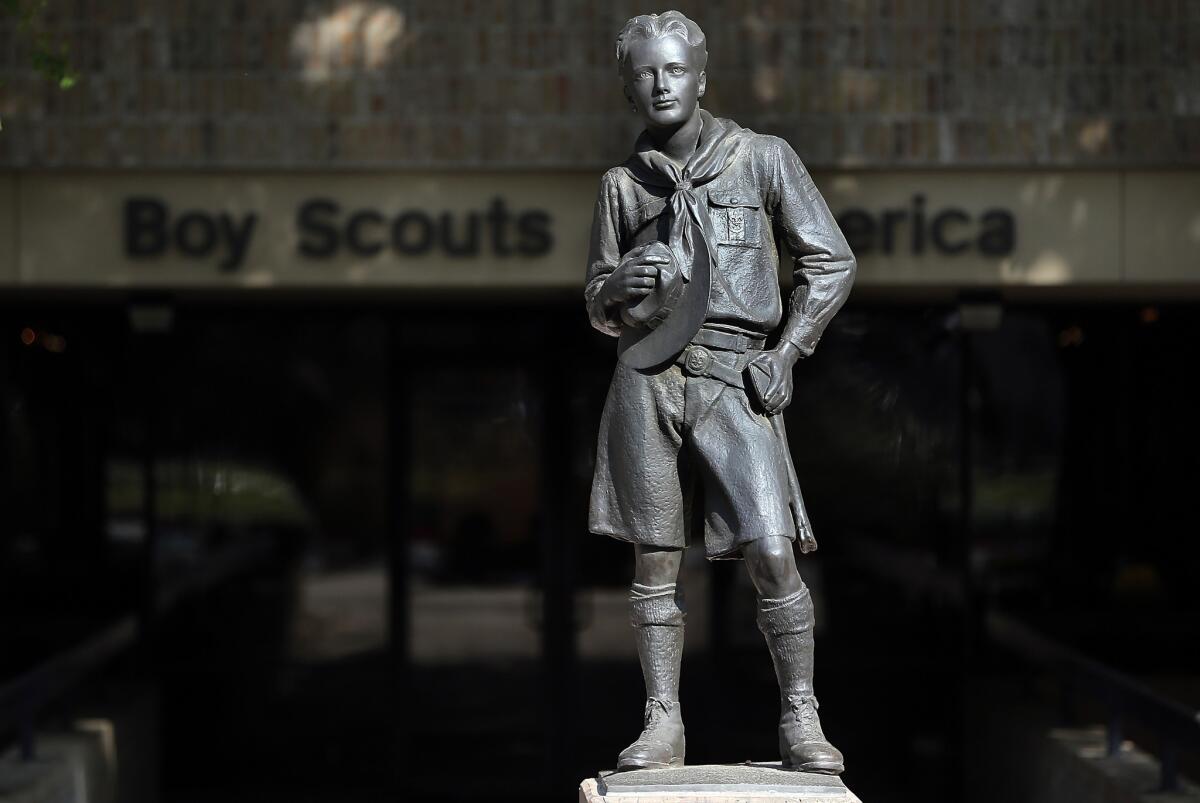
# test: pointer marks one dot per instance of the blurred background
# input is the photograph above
(298, 399)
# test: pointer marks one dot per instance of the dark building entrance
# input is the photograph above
(406, 485)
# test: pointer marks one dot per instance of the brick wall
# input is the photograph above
(448, 83)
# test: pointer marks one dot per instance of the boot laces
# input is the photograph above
(804, 708)
(656, 709)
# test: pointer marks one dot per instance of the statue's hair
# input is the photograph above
(655, 26)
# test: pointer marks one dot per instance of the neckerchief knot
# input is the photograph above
(716, 147)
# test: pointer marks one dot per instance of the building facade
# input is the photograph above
(338, 246)
(1070, 121)
(471, 84)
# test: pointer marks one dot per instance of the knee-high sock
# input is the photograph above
(787, 624)
(657, 615)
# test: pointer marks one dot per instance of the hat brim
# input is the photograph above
(641, 347)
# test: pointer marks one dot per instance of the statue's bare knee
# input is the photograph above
(772, 567)
(656, 566)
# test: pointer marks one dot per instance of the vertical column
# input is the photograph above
(399, 490)
(558, 378)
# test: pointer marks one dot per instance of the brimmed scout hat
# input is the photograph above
(660, 325)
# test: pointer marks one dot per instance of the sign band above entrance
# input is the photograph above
(456, 230)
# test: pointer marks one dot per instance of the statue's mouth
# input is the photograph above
(665, 104)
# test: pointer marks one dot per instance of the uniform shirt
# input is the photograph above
(763, 191)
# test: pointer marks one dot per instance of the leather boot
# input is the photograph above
(787, 624)
(657, 615)
(661, 743)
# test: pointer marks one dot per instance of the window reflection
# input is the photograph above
(476, 469)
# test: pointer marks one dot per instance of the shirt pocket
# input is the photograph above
(737, 218)
(642, 216)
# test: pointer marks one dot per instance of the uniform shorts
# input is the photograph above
(676, 450)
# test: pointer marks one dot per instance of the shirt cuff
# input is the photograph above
(802, 332)
(606, 320)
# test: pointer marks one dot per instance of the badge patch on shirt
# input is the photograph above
(737, 224)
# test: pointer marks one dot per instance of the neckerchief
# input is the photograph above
(717, 146)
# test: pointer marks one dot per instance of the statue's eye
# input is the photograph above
(677, 70)
(643, 74)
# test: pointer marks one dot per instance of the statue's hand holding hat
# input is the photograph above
(652, 309)
(659, 325)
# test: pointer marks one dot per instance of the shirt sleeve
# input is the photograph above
(823, 266)
(604, 254)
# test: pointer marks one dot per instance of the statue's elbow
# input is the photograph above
(851, 268)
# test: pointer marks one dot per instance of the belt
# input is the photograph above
(728, 341)
(696, 360)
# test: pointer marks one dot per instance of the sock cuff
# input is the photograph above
(656, 605)
(637, 590)
(774, 603)
(784, 615)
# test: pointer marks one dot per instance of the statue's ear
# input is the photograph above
(701, 83)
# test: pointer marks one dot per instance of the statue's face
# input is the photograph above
(662, 81)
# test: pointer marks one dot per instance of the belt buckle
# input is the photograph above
(697, 360)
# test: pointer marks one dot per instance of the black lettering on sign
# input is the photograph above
(950, 231)
(412, 233)
(324, 227)
(999, 235)
(469, 244)
(238, 238)
(535, 237)
(354, 233)
(498, 218)
(859, 229)
(149, 232)
(918, 226)
(145, 227)
(892, 218)
(938, 232)
(195, 234)
(318, 237)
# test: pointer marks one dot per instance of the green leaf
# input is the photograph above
(50, 62)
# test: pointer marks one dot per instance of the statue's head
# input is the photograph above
(661, 58)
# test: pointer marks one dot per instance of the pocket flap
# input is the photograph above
(642, 214)
(733, 198)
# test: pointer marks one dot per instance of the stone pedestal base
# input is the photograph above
(716, 783)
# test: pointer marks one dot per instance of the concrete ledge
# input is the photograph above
(69, 768)
(710, 783)
(1078, 767)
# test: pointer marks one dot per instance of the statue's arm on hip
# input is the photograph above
(823, 269)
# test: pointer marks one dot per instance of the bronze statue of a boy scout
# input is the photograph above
(683, 269)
